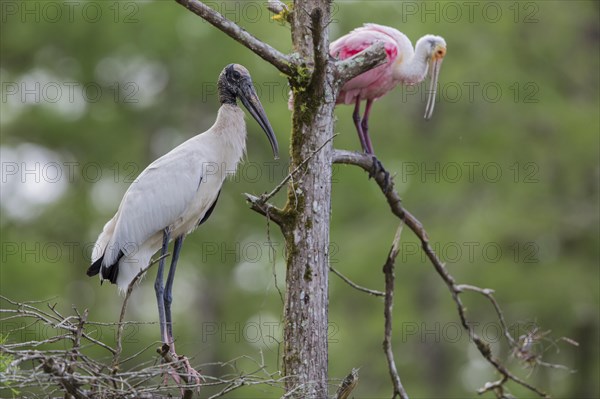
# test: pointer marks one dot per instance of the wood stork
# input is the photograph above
(404, 65)
(177, 193)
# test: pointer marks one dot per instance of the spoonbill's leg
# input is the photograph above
(365, 128)
(158, 286)
(377, 166)
(168, 296)
(356, 119)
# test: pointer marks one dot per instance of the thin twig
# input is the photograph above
(266, 197)
(487, 292)
(78, 333)
(260, 204)
(274, 254)
(356, 286)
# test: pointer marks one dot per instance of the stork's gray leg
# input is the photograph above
(158, 286)
(359, 130)
(168, 297)
(164, 298)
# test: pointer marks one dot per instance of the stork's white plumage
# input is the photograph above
(177, 193)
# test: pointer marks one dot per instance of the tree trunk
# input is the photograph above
(308, 207)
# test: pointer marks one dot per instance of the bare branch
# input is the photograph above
(356, 286)
(388, 270)
(279, 60)
(367, 59)
(366, 162)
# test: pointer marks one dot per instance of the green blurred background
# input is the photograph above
(504, 177)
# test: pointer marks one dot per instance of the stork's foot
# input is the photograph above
(377, 169)
(179, 369)
(193, 376)
(184, 370)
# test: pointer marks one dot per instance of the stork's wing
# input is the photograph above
(155, 200)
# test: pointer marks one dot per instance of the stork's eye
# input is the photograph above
(236, 75)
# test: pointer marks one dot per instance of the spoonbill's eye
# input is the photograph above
(236, 75)
(440, 52)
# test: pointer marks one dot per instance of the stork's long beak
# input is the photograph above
(252, 103)
(434, 67)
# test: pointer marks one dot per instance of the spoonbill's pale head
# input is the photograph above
(235, 82)
(434, 48)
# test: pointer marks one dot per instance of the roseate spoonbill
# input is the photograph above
(404, 65)
(177, 193)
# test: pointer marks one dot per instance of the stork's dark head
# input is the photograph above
(235, 82)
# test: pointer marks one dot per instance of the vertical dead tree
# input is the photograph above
(307, 212)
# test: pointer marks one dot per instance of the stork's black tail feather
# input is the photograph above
(95, 267)
(108, 273)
